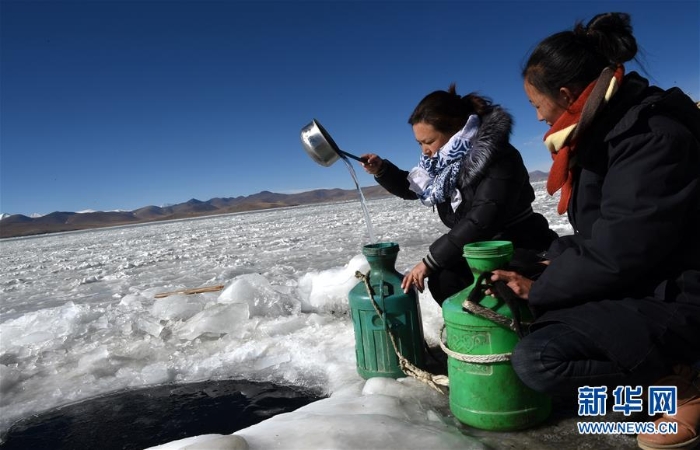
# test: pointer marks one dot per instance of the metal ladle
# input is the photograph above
(321, 147)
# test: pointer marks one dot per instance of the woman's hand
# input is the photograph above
(416, 277)
(374, 163)
(519, 284)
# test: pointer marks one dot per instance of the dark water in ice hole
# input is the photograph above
(145, 417)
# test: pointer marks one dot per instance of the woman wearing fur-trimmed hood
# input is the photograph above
(476, 180)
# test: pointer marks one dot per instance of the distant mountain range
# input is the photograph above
(538, 175)
(20, 225)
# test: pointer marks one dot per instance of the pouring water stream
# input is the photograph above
(321, 147)
(370, 231)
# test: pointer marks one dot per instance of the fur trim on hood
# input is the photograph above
(493, 135)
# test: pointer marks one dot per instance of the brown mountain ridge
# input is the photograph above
(21, 225)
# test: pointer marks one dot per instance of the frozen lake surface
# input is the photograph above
(78, 317)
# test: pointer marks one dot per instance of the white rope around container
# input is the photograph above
(476, 359)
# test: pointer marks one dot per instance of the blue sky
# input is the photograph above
(110, 105)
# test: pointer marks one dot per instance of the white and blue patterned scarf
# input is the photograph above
(435, 179)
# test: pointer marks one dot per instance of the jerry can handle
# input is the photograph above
(502, 292)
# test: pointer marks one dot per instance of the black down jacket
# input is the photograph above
(629, 278)
(496, 197)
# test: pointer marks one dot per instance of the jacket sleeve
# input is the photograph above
(647, 196)
(395, 181)
(494, 201)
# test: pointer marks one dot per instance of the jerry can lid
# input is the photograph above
(484, 249)
(380, 249)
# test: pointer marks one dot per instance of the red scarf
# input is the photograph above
(562, 138)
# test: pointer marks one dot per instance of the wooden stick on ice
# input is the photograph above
(191, 291)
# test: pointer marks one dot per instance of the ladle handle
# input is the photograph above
(356, 158)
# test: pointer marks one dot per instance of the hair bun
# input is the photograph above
(610, 34)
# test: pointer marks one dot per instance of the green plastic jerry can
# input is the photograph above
(485, 391)
(388, 311)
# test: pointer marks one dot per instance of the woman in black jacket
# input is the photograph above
(475, 179)
(619, 303)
